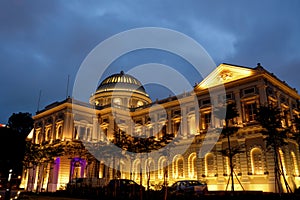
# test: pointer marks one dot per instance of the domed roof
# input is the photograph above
(121, 82)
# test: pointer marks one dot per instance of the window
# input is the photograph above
(161, 167)
(178, 171)
(180, 168)
(48, 133)
(206, 120)
(206, 102)
(192, 165)
(257, 161)
(149, 165)
(176, 127)
(136, 169)
(59, 132)
(250, 111)
(249, 91)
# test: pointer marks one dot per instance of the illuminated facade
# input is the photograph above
(247, 87)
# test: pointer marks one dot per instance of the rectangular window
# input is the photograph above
(206, 120)
(206, 102)
(249, 91)
(250, 112)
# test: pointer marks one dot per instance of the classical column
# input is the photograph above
(68, 125)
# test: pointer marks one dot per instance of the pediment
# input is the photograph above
(225, 73)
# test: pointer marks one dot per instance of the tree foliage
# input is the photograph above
(21, 122)
(229, 111)
(270, 117)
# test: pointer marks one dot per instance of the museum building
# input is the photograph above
(121, 105)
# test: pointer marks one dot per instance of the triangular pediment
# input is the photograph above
(223, 74)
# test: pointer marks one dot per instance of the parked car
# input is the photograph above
(188, 188)
(124, 188)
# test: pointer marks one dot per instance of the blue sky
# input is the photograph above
(44, 42)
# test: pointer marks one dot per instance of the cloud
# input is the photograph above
(42, 42)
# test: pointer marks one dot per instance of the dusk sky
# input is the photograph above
(45, 42)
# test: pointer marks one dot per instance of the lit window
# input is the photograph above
(192, 165)
(250, 112)
(136, 169)
(161, 167)
(178, 171)
(257, 161)
(149, 165)
(206, 120)
(48, 134)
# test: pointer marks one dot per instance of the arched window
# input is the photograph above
(136, 170)
(77, 167)
(294, 164)
(257, 163)
(178, 171)
(48, 134)
(149, 166)
(210, 164)
(37, 137)
(40, 138)
(192, 166)
(162, 162)
(76, 135)
(59, 132)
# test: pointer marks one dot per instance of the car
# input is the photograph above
(124, 188)
(188, 188)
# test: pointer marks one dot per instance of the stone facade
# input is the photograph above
(188, 117)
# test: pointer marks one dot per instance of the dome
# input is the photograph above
(121, 82)
(122, 90)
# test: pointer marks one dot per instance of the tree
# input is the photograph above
(229, 128)
(270, 118)
(296, 129)
(42, 155)
(21, 122)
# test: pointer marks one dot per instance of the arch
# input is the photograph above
(77, 167)
(162, 165)
(178, 167)
(122, 169)
(210, 165)
(257, 164)
(136, 169)
(192, 165)
(59, 132)
(149, 168)
(48, 134)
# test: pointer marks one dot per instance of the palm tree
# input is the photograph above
(270, 118)
(229, 128)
